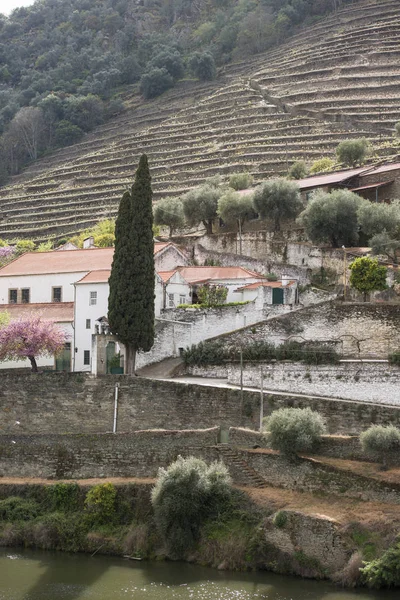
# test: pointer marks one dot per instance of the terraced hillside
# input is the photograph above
(337, 79)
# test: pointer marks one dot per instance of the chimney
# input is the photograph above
(285, 279)
(88, 242)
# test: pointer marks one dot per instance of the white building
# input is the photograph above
(44, 282)
(181, 284)
(271, 292)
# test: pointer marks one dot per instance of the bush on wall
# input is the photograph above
(294, 430)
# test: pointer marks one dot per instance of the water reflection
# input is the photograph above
(34, 575)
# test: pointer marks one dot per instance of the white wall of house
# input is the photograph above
(43, 361)
(177, 291)
(91, 303)
(40, 286)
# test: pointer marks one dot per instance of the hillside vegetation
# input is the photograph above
(335, 79)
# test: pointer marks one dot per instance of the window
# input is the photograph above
(93, 298)
(57, 294)
(12, 296)
(86, 357)
(182, 299)
(88, 324)
(25, 295)
(170, 300)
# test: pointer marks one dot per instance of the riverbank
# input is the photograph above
(287, 532)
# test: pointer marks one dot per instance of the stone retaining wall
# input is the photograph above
(309, 476)
(140, 454)
(57, 403)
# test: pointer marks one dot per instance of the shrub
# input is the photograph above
(385, 571)
(298, 170)
(58, 531)
(294, 430)
(18, 509)
(25, 246)
(352, 152)
(397, 128)
(240, 181)
(380, 441)
(280, 519)
(104, 240)
(212, 295)
(100, 502)
(185, 495)
(63, 497)
(155, 82)
(272, 276)
(323, 165)
(394, 358)
(202, 65)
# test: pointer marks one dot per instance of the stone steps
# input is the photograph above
(248, 474)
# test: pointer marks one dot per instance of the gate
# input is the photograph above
(63, 360)
(110, 353)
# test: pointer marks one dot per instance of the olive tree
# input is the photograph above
(331, 218)
(374, 218)
(200, 205)
(381, 441)
(278, 199)
(383, 243)
(169, 212)
(294, 430)
(352, 152)
(236, 208)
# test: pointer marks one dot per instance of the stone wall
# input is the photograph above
(140, 454)
(362, 381)
(308, 475)
(179, 328)
(56, 403)
(289, 249)
(333, 446)
(363, 329)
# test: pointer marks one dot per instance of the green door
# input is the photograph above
(110, 353)
(63, 360)
(277, 296)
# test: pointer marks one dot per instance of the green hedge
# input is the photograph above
(216, 353)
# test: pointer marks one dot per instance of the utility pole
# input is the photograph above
(344, 273)
(261, 399)
(241, 385)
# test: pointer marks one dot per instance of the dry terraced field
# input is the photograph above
(337, 79)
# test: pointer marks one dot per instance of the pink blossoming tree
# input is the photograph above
(30, 337)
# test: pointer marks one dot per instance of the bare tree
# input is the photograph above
(27, 127)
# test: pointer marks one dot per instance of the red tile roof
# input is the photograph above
(200, 274)
(59, 312)
(67, 261)
(99, 276)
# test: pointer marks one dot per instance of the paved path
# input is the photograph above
(161, 370)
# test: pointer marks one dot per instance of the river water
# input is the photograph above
(36, 575)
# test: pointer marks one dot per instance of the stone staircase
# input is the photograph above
(239, 469)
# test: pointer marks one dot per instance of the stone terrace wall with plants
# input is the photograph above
(345, 447)
(361, 329)
(55, 403)
(310, 476)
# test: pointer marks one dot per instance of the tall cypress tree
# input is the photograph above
(131, 299)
